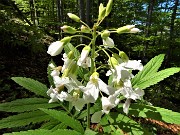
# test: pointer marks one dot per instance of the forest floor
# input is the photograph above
(35, 67)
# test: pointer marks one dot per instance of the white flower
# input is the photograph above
(86, 63)
(55, 48)
(84, 55)
(67, 62)
(128, 92)
(133, 65)
(95, 84)
(109, 103)
(126, 105)
(75, 100)
(108, 42)
(69, 83)
(53, 93)
(55, 70)
(122, 71)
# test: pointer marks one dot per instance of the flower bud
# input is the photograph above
(85, 29)
(102, 11)
(123, 56)
(109, 7)
(70, 55)
(113, 62)
(73, 17)
(125, 29)
(66, 72)
(68, 29)
(117, 57)
(105, 34)
(74, 68)
(55, 48)
(134, 30)
(66, 40)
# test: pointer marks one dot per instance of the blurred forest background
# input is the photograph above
(29, 26)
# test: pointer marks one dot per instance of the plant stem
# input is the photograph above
(93, 67)
(88, 116)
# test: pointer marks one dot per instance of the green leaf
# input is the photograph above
(120, 121)
(90, 132)
(156, 113)
(45, 132)
(53, 125)
(63, 117)
(32, 85)
(156, 77)
(69, 47)
(150, 68)
(26, 104)
(24, 119)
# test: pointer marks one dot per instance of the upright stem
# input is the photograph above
(93, 68)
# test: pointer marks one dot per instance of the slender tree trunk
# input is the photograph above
(59, 16)
(88, 5)
(148, 24)
(82, 10)
(171, 33)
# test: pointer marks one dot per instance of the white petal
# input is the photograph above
(91, 93)
(55, 48)
(126, 106)
(134, 64)
(96, 117)
(108, 42)
(105, 88)
(79, 104)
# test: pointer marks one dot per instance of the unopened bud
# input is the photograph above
(109, 7)
(66, 40)
(123, 56)
(87, 48)
(102, 11)
(105, 34)
(125, 29)
(66, 72)
(73, 17)
(70, 55)
(113, 62)
(85, 29)
(68, 29)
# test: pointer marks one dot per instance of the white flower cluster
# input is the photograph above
(68, 88)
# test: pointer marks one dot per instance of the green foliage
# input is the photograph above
(150, 68)
(115, 121)
(156, 113)
(63, 117)
(31, 85)
(90, 132)
(53, 125)
(45, 132)
(149, 75)
(26, 104)
(156, 77)
(23, 119)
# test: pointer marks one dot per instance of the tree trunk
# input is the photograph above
(88, 5)
(59, 15)
(82, 10)
(171, 34)
(148, 24)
